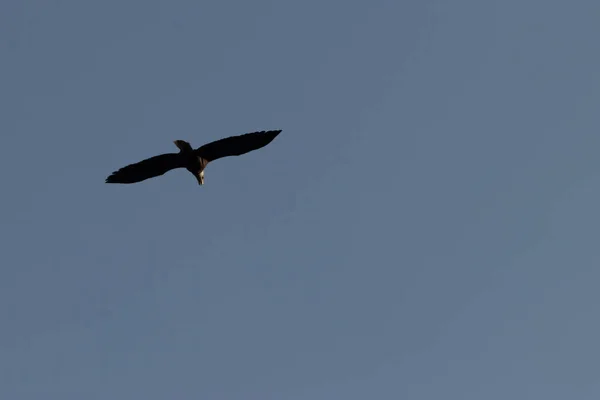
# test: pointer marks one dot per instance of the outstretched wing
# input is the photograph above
(236, 145)
(145, 169)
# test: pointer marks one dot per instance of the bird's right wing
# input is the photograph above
(145, 169)
(236, 145)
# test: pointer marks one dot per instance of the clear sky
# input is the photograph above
(425, 227)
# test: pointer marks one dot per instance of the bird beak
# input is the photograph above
(200, 179)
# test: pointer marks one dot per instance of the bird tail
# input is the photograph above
(183, 146)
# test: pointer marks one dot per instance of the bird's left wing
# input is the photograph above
(236, 145)
(148, 168)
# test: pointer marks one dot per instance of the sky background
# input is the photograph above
(425, 227)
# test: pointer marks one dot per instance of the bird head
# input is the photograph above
(200, 177)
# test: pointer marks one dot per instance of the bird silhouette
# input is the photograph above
(194, 160)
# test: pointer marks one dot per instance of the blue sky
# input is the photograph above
(425, 227)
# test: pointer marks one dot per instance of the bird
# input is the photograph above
(194, 160)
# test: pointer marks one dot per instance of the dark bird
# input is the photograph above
(194, 161)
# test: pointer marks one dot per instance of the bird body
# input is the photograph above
(194, 160)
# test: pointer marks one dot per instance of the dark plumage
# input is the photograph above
(194, 161)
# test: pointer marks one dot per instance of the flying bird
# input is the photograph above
(194, 160)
